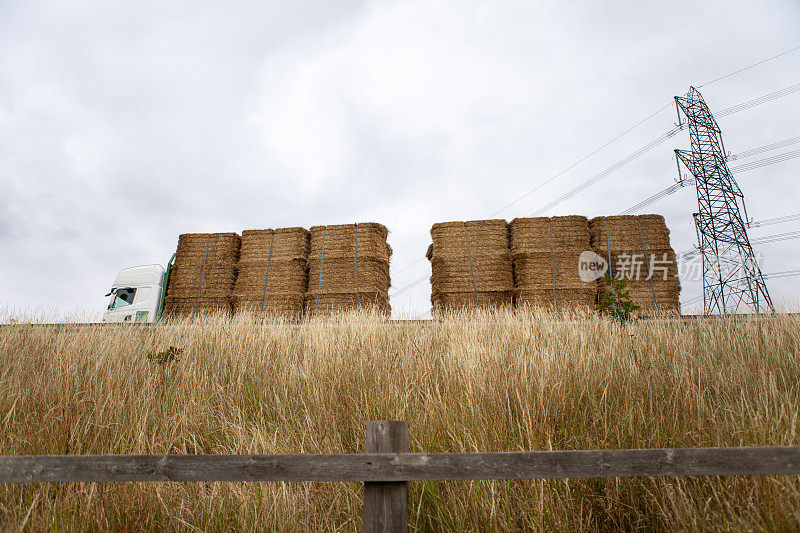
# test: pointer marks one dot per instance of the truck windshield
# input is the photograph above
(122, 297)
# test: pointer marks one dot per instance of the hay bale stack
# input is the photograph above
(203, 274)
(545, 253)
(471, 265)
(273, 275)
(348, 269)
(633, 246)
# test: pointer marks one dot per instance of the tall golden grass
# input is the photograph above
(491, 381)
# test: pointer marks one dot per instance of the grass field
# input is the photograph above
(492, 382)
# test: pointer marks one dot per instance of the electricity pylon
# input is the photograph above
(732, 280)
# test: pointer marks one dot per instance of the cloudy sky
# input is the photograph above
(122, 126)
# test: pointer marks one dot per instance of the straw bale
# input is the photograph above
(339, 275)
(667, 295)
(174, 306)
(333, 303)
(217, 280)
(470, 256)
(532, 235)
(627, 259)
(535, 269)
(454, 301)
(623, 232)
(564, 299)
(453, 264)
(491, 273)
(662, 305)
(643, 288)
(287, 306)
(486, 237)
(284, 243)
(196, 242)
(352, 252)
(284, 277)
(633, 264)
(272, 272)
(340, 241)
(204, 270)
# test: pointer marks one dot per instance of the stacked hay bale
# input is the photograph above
(471, 265)
(635, 246)
(203, 274)
(546, 253)
(273, 275)
(348, 269)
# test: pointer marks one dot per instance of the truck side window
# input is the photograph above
(123, 297)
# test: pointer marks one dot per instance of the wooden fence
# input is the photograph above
(386, 467)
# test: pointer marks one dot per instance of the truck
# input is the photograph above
(138, 293)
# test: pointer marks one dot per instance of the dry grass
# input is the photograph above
(489, 382)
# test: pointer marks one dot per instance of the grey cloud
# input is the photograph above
(123, 126)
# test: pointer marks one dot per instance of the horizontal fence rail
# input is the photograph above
(385, 467)
(388, 467)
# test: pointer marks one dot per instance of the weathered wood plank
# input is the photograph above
(386, 503)
(386, 467)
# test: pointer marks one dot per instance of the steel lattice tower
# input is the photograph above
(732, 280)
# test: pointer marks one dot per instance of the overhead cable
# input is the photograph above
(758, 101)
(750, 66)
(761, 149)
(752, 165)
(775, 220)
(610, 170)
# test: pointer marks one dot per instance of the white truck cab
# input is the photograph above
(137, 295)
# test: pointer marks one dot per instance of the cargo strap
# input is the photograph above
(471, 270)
(266, 278)
(358, 296)
(202, 271)
(552, 262)
(647, 264)
(610, 273)
(321, 259)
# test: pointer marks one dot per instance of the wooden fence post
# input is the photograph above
(386, 504)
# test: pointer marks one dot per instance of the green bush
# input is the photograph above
(167, 356)
(616, 300)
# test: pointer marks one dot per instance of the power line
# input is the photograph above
(409, 265)
(584, 158)
(766, 239)
(641, 151)
(777, 237)
(657, 196)
(758, 101)
(780, 158)
(725, 112)
(607, 172)
(776, 220)
(410, 285)
(784, 274)
(772, 275)
(693, 300)
(750, 66)
(660, 195)
(761, 149)
(567, 169)
(688, 254)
